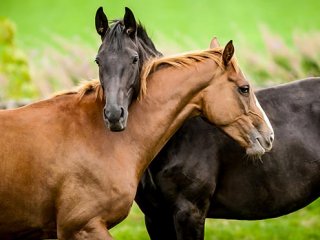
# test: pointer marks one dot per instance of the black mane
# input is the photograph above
(116, 29)
(113, 33)
(142, 34)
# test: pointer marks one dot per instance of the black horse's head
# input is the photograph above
(125, 47)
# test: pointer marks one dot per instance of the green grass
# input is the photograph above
(300, 225)
(187, 23)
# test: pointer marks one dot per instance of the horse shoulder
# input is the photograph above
(87, 194)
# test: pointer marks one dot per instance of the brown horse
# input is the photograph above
(62, 171)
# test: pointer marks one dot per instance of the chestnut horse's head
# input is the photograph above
(125, 47)
(231, 103)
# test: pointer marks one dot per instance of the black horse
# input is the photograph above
(125, 47)
(201, 173)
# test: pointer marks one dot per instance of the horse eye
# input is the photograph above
(244, 89)
(97, 61)
(135, 59)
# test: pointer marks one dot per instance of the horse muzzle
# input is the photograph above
(115, 118)
(260, 143)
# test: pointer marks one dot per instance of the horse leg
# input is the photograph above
(34, 234)
(93, 230)
(189, 221)
(160, 227)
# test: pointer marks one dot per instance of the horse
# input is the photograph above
(125, 47)
(201, 173)
(64, 173)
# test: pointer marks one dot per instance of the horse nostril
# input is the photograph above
(269, 141)
(272, 137)
(105, 113)
(113, 114)
(122, 112)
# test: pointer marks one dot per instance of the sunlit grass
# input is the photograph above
(300, 225)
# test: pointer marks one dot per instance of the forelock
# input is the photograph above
(113, 36)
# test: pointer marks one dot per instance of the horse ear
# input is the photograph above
(101, 22)
(228, 53)
(129, 22)
(214, 43)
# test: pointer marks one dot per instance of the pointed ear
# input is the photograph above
(101, 22)
(214, 43)
(228, 53)
(130, 22)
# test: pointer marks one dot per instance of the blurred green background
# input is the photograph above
(50, 45)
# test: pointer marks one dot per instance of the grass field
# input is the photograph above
(301, 225)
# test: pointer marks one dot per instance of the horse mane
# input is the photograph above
(186, 60)
(117, 27)
(143, 36)
(92, 86)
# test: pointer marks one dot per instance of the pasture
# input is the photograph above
(300, 225)
(174, 26)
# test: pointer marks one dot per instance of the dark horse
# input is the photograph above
(125, 47)
(201, 173)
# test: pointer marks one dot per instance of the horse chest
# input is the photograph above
(100, 196)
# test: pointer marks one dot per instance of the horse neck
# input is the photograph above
(173, 96)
